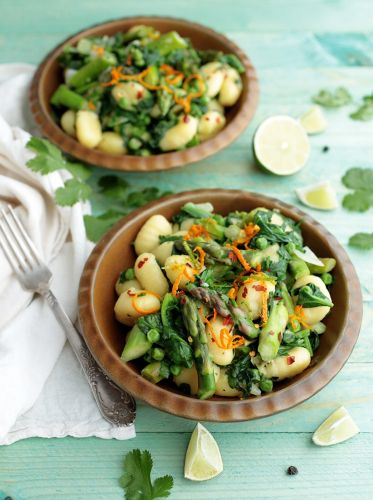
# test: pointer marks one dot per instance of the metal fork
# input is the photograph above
(115, 405)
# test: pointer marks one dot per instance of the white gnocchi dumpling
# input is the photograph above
(220, 356)
(270, 252)
(214, 105)
(189, 376)
(112, 143)
(121, 287)
(312, 315)
(250, 297)
(179, 135)
(148, 236)
(68, 120)
(210, 124)
(164, 250)
(175, 264)
(88, 128)
(222, 386)
(135, 303)
(150, 275)
(231, 88)
(295, 362)
(129, 94)
(213, 74)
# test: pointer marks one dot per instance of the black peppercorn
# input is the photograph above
(292, 470)
(325, 149)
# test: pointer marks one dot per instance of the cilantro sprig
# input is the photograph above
(361, 181)
(365, 111)
(329, 99)
(136, 478)
(110, 191)
(363, 241)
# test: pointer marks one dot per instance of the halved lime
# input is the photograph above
(281, 145)
(203, 460)
(338, 427)
(313, 120)
(321, 196)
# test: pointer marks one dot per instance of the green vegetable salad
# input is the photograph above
(143, 92)
(223, 305)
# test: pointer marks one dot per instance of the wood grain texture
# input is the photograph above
(298, 48)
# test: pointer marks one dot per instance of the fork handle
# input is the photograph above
(116, 406)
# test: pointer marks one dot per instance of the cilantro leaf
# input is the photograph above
(113, 186)
(72, 192)
(358, 201)
(78, 170)
(97, 226)
(359, 178)
(48, 157)
(364, 113)
(136, 480)
(364, 241)
(328, 99)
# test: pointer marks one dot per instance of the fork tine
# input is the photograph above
(15, 242)
(4, 244)
(26, 237)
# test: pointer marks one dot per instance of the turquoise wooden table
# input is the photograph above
(298, 48)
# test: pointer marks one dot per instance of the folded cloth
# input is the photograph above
(31, 340)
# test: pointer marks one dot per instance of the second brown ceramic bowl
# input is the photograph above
(49, 76)
(105, 337)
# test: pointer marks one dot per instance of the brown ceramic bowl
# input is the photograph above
(49, 76)
(105, 336)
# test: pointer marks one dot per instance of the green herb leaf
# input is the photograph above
(113, 186)
(97, 226)
(365, 111)
(311, 296)
(359, 178)
(358, 201)
(328, 99)
(364, 241)
(78, 170)
(48, 157)
(72, 192)
(136, 479)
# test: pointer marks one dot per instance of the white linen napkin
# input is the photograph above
(42, 392)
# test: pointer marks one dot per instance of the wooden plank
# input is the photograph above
(255, 467)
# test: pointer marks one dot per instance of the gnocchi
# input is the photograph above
(297, 360)
(250, 296)
(122, 286)
(219, 355)
(313, 315)
(210, 124)
(213, 74)
(148, 236)
(135, 303)
(88, 128)
(150, 275)
(129, 94)
(231, 87)
(179, 135)
(174, 266)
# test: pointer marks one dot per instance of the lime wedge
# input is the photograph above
(338, 427)
(203, 460)
(321, 196)
(281, 145)
(313, 120)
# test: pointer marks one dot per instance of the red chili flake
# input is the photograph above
(130, 293)
(232, 256)
(139, 94)
(142, 262)
(207, 118)
(227, 321)
(218, 120)
(271, 333)
(278, 298)
(290, 360)
(244, 293)
(186, 119)
(260, 288)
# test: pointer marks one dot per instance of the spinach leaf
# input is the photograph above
(285, 233)
(311, 296)
(241, 374)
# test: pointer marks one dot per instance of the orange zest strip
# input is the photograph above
(184, 272)
(202, 255)
(298, 316)
(240, 257)
(195, 231)
(99, 51)
(250, 231)
(91, 106)
(138, 308)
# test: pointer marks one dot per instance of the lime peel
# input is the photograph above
(202, 460)
(321, 196)
(338, 427)
(313, 120)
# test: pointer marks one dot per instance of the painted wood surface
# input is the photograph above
(297, 48)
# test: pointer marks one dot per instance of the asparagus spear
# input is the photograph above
(89, 72)
(63, 96)
(288, 302)
(271, 335)
(214, 301)
(212, 248)
(298, 268)
(204, 365)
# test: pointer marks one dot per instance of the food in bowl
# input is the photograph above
(223, 306)
(141, 92)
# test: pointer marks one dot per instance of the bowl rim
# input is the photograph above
(164, 161)
(219, 410)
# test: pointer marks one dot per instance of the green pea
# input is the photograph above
(327, 278)
(261, 243)
(158, 354)
(153, 335)
(175, 370)
(130, 274)
(266, 385)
